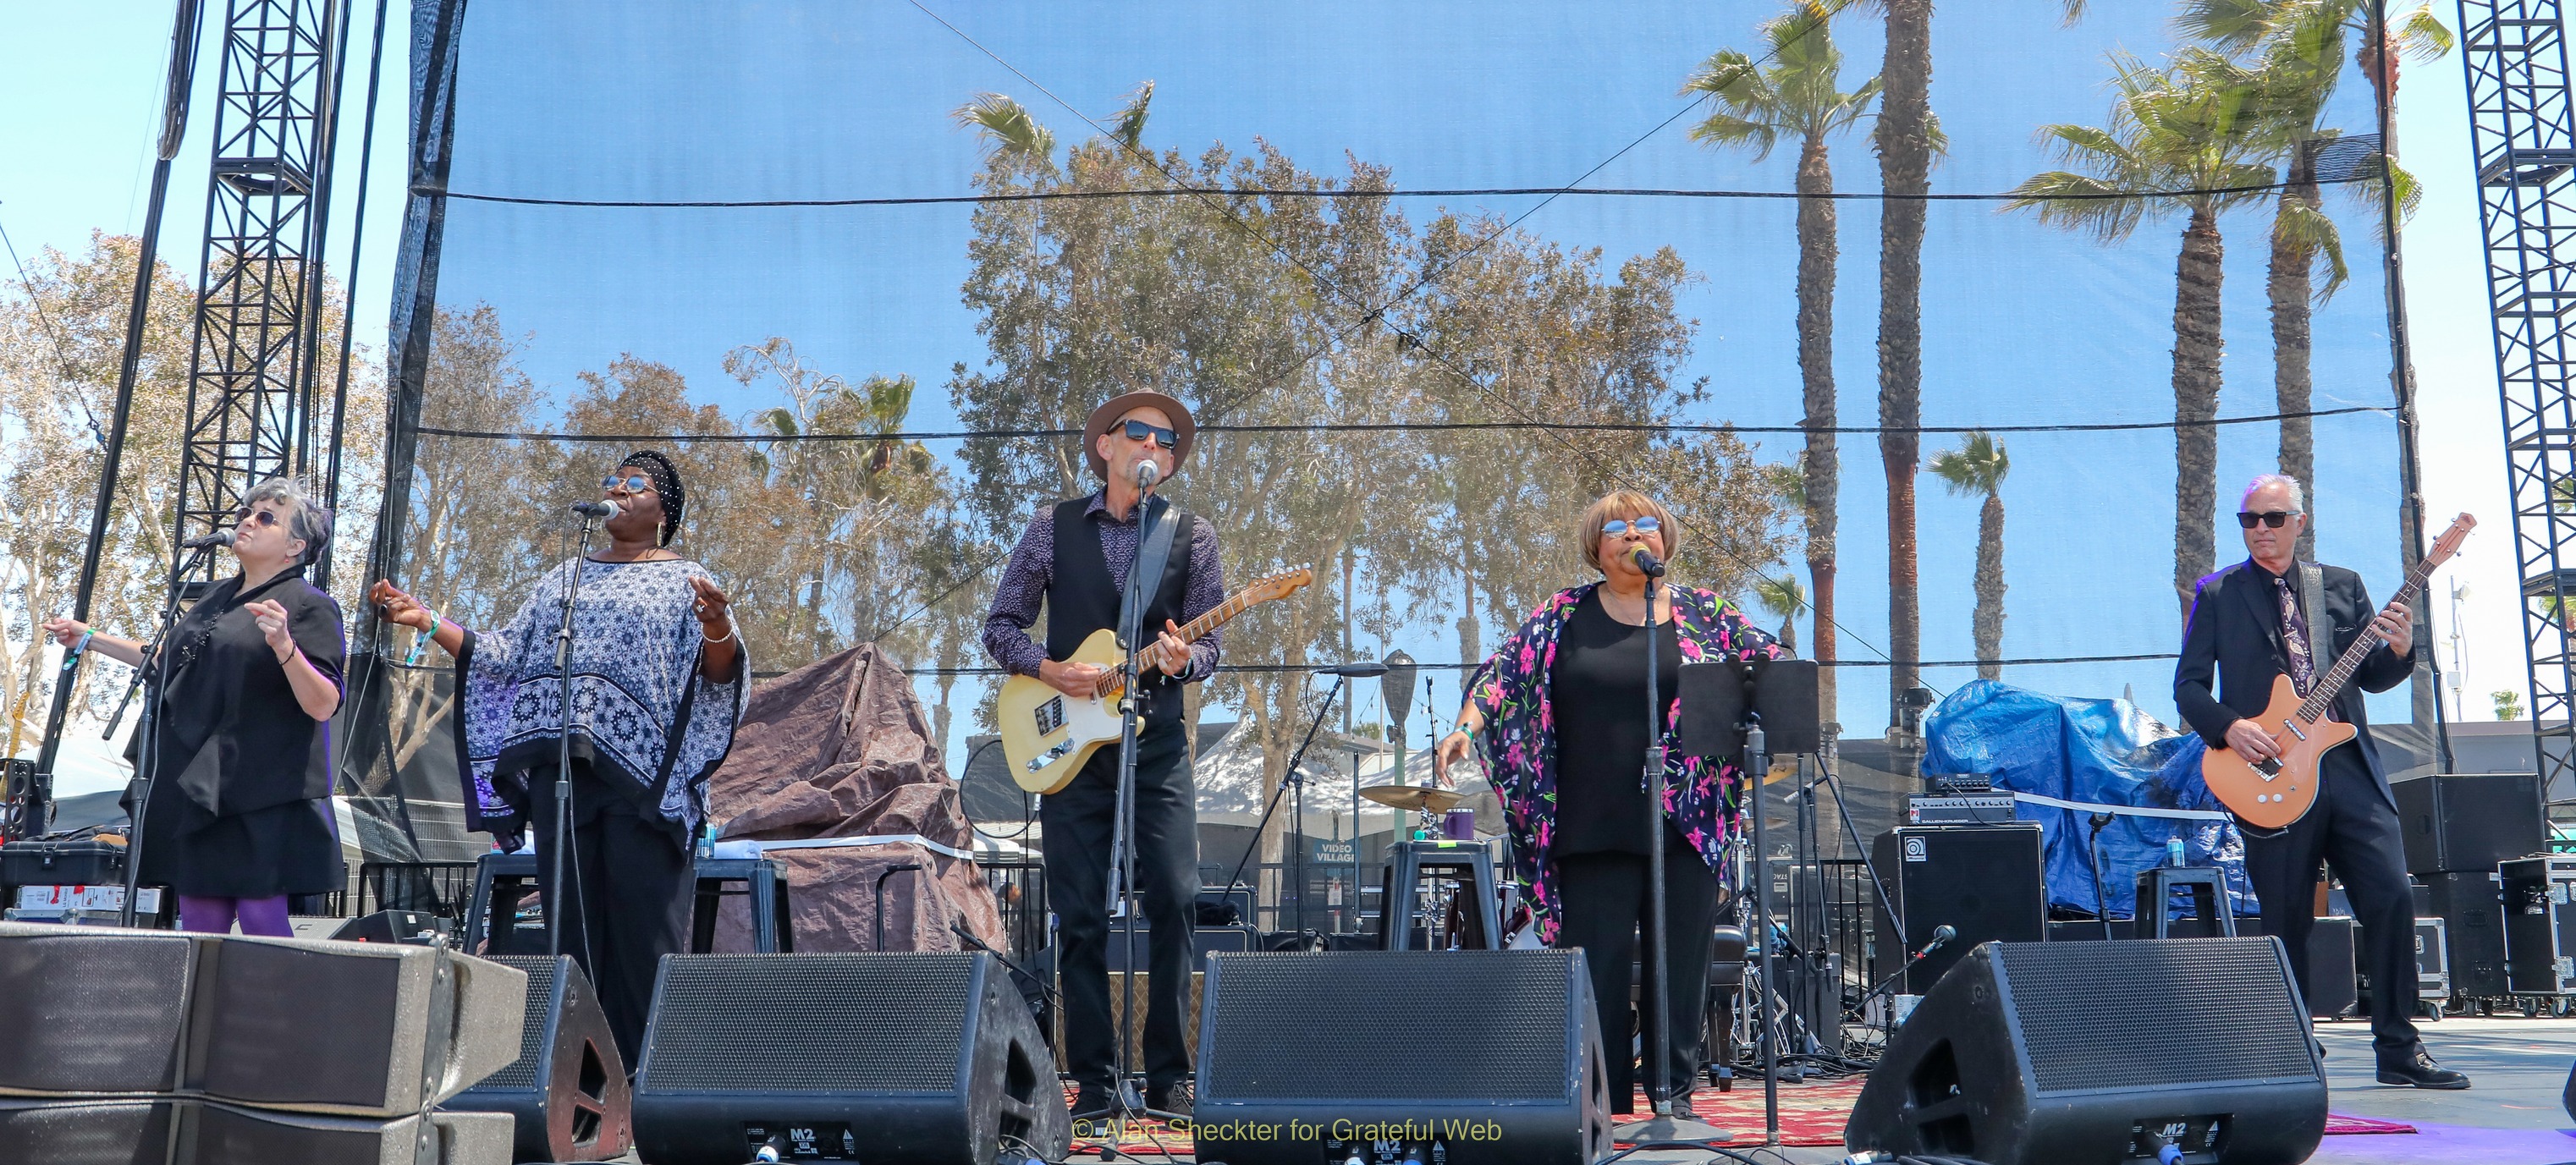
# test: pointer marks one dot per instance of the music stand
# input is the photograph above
(1748, 710)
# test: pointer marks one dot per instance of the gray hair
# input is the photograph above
(306, 520)
(2298, 493)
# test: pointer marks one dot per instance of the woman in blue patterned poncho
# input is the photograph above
(1560, 713)
(657, 689)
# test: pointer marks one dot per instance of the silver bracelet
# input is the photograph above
(702, 633)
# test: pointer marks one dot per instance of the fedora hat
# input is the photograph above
(1183, 428)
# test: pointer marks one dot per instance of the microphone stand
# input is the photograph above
(147, 769)
(563, 766)
(1295, 776)
(1122, 854)
(1664, 1130)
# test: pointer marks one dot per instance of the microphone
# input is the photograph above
(1940, 935)
(201, 541)
(1647, 563)
(1147, 473)
(603, 508)
(1366, 669)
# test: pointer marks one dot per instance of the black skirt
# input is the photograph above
(283, 849)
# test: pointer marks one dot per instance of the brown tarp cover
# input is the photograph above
(840, 748)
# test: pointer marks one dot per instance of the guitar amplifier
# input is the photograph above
(1983, 882)
(2468, 821)
(2539, 925)
(2471, 908)
(1981, 809)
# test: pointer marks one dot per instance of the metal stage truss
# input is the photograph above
(2523, 130)
(249, 384)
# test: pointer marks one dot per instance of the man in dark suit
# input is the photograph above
(2250, 624)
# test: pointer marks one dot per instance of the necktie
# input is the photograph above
(2294, 632)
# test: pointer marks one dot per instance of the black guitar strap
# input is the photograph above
(1153, 552)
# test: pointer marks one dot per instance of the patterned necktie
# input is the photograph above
(2294, 632)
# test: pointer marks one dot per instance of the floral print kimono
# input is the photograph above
(1702, 797)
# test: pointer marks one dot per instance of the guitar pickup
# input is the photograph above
(1050, 715)
(1050, 756)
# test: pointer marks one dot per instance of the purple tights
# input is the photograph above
(259, 916)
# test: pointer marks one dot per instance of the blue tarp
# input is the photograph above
(2102, 752)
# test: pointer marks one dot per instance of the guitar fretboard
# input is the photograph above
(2322, 695)
(1197, 629)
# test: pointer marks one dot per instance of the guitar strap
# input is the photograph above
(2312, 592)
(1153, 552)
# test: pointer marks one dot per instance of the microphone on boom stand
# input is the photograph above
(201, 541)
(603, 508)
(1647, 563)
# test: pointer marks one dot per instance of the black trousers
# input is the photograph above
(632, 895)
(1603, 908)
(1079, 821)
(2353, 829)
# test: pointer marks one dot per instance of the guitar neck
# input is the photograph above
(1191, 632)
(2322, 695)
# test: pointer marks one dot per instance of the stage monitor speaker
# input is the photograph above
(2060, 1053)
(414, 927)
(2471, 907)
(1981, 881)
(347, 1029)
(2334, 973)
(1322, 1057)
(897, 1059)
(165, 1131)
(568, 1089)
(93, 1009)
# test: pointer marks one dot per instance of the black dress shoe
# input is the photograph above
(1089, 1104)
(1174, 1099)
(2420, 1071)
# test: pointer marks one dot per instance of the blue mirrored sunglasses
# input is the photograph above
(1618, 526)
(635, 483)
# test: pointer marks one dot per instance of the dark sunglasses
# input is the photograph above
(1139, 430)
(2273, 518)
(635, 483)
(263, 517)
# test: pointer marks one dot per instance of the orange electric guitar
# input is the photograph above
(2273, 793)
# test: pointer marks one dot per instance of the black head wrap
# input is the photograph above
(666, 482)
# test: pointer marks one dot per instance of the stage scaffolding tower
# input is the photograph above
(257, 319)
(2523, 131)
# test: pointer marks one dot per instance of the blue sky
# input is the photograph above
(2024, 324)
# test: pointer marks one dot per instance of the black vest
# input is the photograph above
(1084, 598)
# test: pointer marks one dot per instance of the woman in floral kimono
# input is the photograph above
(1557, 711)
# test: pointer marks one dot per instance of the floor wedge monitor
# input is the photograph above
(1325, 1056)
(567, 1090)
(2084, 1053)
(894, 1059)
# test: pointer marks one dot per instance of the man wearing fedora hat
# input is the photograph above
(1074, 561)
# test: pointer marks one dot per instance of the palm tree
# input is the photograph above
(1783, 597)
(2190, 128)
(1977, 467)
(1799, 96)
(1907, 139)
(2300, 46)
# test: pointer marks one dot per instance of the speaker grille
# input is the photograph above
(88, 1012)
(2221, 1010)
(808, 1023)
(521, 1075)
(296, 1023)
(1423, 1025)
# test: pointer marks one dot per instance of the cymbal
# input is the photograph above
(1418, 798)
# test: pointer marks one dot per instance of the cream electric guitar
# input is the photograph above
(1049, 735)
(2271, 794)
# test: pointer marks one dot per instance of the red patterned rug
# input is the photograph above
(1811, 1115)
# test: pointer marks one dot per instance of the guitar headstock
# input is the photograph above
(1278, 586)
(2449, 543)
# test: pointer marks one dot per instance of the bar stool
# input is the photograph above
(2156, 885)
(764, 883)
(520, 872)
(1466, 862)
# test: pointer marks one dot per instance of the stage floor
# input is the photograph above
(2511, 1117)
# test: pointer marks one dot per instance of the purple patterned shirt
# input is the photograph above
(1017, 600)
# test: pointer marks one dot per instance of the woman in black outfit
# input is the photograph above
(1561, 714)
(239, 812)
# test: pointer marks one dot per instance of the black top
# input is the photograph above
(232, 735)
(1084, 597)
(2232, 648)
(1597, 692)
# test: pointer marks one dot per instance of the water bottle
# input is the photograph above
(2173, 852)
(707, 840)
